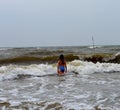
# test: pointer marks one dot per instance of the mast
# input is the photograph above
(93, 45)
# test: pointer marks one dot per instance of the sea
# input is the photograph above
(28, 84)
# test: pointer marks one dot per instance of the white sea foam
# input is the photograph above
(81, 106)
(14, 103)
(84, 91)
(91, 47)
(5, 48)
(89, 67)
(12, 71)
(118, 53)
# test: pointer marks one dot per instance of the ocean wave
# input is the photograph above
(88, 67)
(91, 47)
(44, 52)
(115, 59)
(42, 70)
(118, 53)
(32, 59)
(103, 58)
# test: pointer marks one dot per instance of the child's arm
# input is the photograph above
(65, 67)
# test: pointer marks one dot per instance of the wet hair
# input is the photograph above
(61, 57)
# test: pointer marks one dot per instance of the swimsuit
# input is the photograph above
(62, 68)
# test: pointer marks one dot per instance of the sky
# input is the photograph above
(59, 22)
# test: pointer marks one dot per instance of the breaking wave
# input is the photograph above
(10, 72)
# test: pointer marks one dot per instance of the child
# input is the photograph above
(61, 65)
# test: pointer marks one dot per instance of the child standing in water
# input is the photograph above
(61, 65)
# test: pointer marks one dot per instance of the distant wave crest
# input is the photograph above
(32, 59)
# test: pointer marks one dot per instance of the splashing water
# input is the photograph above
(37, 86)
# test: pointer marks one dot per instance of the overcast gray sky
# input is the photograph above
(59, 22)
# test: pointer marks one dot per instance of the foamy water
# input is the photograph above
(37, 86)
